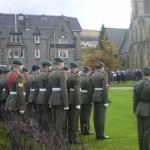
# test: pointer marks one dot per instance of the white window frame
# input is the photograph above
(15, 38)
(63, 53)
(36, 39)
(37, 53)
(62, 40)
(16, 52)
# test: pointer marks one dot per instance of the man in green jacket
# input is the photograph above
(86, 106)
(32, 87)
(73, 85)
(100, 99)
(16, 84)
(141, 107)
(43, 110)
(59, 96)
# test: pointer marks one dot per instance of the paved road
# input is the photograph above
(121, 88)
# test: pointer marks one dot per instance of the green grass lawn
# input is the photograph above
(120, 125)
(123, 84)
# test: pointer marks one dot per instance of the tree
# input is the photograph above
(104, 52)
(103, 41)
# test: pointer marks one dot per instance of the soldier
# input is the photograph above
(25, 73)
(33, 89)
(73, 85)
(59, 97)
(86, 106)
(3, 91)
(4, 88)
(100, 99)
(43, 110)
(16, 83)
(141, 107)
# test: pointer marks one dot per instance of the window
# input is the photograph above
(63, 53)
(15, 38)
(37, 53)
(20, 17)
(16, 52)
(1, 18)
(36, 39)
(62, 40)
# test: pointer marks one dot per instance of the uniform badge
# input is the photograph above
(20, 84)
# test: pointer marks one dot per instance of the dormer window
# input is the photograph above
(16, 38)
(20, 17)
(37, 39)
(62, 40)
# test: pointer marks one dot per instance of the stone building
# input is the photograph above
(34, 38)
(134, 51)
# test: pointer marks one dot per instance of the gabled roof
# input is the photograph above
(125, 45)
(115, 36)
(42, 21)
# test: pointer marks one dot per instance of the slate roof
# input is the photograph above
(43, 21)
(125, 45)
(116, 36)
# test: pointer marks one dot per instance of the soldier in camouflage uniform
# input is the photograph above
(86, 106)
(16, 83)
(43, 110)
(32, 87)
(59, 97)
(100, 99)
(73, 85)
(141, 107)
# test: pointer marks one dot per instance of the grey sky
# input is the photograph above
(90, 13)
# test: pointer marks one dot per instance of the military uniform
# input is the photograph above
(4, 92)
(16, 83)
(73, 85)
(32, 87)
(100, 100)
(86, 106)
(59, 97)
(141, 108)
(43, 110)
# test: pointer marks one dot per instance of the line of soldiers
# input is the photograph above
(58, 96)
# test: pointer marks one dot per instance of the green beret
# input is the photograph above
(59, 59)
(74, 65)
(17, 62)
(86, 69)
(46, 63)
(36, 67)
(6, 70)
(25, 69)
(100, 64)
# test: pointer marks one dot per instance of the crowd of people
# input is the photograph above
(125, 75)
(58, 96)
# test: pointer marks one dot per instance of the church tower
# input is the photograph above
(140, 34)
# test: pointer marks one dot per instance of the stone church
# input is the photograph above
(134, 51)
(34, 38)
